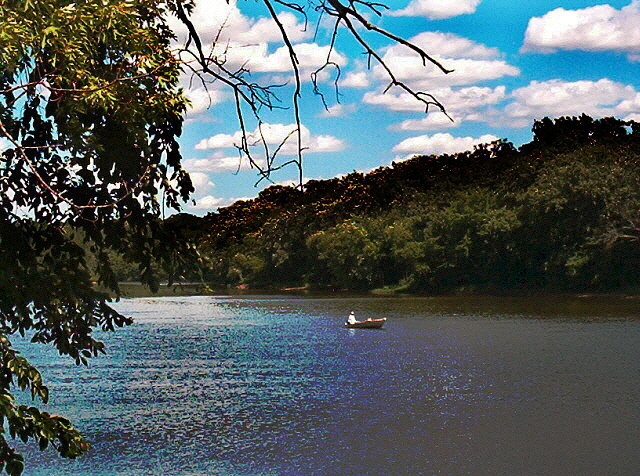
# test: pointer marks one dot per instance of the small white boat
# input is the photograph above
(368, 324)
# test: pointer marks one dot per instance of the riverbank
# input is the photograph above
(137, 289)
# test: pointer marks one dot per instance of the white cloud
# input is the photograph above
(629, 105)
(321, 143)
(218, 163)
(462, 99)
(597, 28)
(440, 143)
(338, 110)
(200, 181)
(471, 62)
(241, 41)
(210, 202)
(266, 30)
(356, 80)
(445, 44)
(462, 104)
(223, 21)
(437, 9)
(209, 17)
(258, 58)
(201, 99)
(629, 108)
(434, 121)
(220, 141)
(274, 135)
(465, 71)
(559, 98)
(238, 41)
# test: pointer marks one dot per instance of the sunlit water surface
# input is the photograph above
(276, 386)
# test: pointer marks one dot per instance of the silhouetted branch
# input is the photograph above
(45, 185)
(347, 15)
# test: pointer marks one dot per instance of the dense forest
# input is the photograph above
(561, 213)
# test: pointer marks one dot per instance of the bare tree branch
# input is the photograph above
(347, 15)
(296, 94)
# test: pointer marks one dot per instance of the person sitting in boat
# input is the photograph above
(352, 318)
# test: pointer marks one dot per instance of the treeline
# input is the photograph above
(559, 213)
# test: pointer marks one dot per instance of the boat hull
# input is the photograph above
(368, 324)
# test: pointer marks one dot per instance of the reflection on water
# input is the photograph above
(274, 385)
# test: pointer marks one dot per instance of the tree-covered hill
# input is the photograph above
(559, 213)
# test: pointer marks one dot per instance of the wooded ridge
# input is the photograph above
(561, 213)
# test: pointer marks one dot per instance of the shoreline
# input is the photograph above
(137, 289)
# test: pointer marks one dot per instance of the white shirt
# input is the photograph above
(352, 318)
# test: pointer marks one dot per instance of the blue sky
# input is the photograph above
(514, 62)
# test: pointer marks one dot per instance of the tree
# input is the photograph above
(90, 112)
(346, 256)
(207, 64)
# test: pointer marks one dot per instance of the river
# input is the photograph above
(272, 385)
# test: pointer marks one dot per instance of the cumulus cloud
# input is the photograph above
(266, 29)
(209, 202)
(434, 121)
(629, 109)
(557, 98)
(448, 45)
(462, 104)
(219, 162)
(274, 135)
(257, 58)
(437, 9)
(629, 105)
(440, 143)
(222, 21)
(597, 28)
(356, 80)
(338, 110)
(200, 181)
(201, 99)
(465, 71)
(455, 100)
(471, 62)
(220, 141)
(239, 41)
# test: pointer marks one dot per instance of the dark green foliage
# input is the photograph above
(346, 256)
(90, 114)
(560, 213)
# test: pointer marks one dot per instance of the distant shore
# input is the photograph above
(137, 289)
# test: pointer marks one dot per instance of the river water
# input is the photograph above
(276, 386)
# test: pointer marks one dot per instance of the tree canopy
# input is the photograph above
(90, 112)
(91, 109)
(561, 213)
